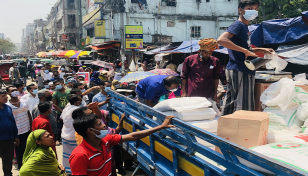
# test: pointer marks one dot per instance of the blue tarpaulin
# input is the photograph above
(279, 31)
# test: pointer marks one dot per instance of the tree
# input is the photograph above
(277, 9)
(7, 46)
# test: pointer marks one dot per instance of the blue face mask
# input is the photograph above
(103, 133)
(24, 89)
(83, 90)
(46, 71)
(250, 15)
(46, 86)
(35, 91)
(58, 87)
(107, 88)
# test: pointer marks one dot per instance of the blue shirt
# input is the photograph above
(241, 38)
(53, 78)
(100, 98)
(153, 87)
(8, 128)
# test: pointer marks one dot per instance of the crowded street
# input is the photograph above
(144, 88)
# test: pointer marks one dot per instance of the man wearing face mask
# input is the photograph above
(68, 132)
(85, 92)
(46, 74)
(21, 88)
(23, 121)
(45, 96)
(56, 76)
(241, 80)
(60, 100)
(200, 72)
(31, 98)
(102, 97)
(71, 82)
(150, 89)
(93, 155)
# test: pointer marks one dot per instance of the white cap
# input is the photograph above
(50, 83)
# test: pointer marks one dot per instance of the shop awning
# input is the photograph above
(106, 45)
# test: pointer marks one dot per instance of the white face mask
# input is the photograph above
(15, 94)
(250, 15)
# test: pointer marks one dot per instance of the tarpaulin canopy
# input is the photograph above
(297, 54)
(279, 31)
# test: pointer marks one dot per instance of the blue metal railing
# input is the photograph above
(155, 163)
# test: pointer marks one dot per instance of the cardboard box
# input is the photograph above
(259, 89)
(246, 128)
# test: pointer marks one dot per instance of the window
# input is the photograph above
(195, 31)
(169, 3)
(90, 32)
(71, 21)
(71, 4)
(59, 24)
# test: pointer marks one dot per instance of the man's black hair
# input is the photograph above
(56, 71)
(8, 88)
(2, 91)
(31, 62)
(168, 81)
(76, 85)
(82, 121)
(243, 3)
(103, 83)
(13, 63)
(75, 91)
(78, 77)
(73, 98)
(29, 87)
(18, 84)
(46, 82)
(55, 81)
(44, 107)
(21, 63)
(82, 62)
(66, 75)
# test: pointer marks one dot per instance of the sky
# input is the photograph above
(16, 14)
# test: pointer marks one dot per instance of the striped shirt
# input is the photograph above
(21, 116)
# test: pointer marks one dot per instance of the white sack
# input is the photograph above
(300, 97)
(302, 112)
(291, 153)
(275, 136)
(300, 79)
(132, 66)
(183, 103)
(283, 120)
(276, 63)
(279, 94)
(192, 115)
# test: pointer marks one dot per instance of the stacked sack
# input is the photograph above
(287, 106)
(196, 111)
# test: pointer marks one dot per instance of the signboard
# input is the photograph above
(133, 37)
(64, 37)
(98, 1)
(99, 29)
(86, 76)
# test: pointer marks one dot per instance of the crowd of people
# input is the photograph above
(62, 109)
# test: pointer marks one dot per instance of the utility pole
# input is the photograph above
(122, 52)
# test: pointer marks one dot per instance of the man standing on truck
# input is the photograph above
(241, 80)
(93, 155)
(200, 73)
(150, 89)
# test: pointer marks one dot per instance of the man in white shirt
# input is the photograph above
(31, 98)
(68, 132)
(46, 74)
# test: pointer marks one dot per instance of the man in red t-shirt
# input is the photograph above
(93, 156)
(42, 121)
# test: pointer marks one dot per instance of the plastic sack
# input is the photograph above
(274, 136)
(300, 97)
(193, 115)
(279, 94)
(291, 153)
(302, 112)
(276, 62)
(300, 79)
(284, 120)
(182, 104)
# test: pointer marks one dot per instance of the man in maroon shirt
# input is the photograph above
(200, 73)
(42, 121)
